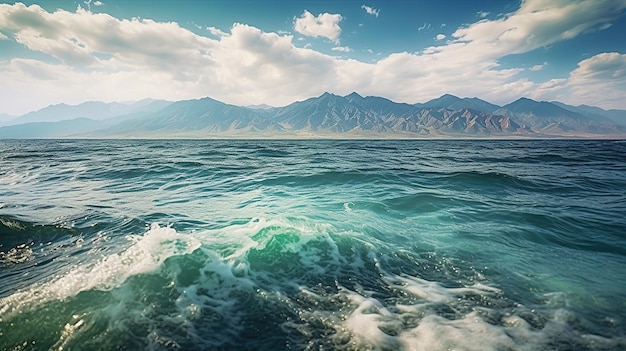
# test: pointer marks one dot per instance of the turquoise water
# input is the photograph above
(303, 245)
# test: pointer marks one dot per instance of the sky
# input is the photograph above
(248, 52)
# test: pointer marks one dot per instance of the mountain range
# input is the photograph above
(325, 116)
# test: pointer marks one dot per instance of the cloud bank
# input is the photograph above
(94, 56)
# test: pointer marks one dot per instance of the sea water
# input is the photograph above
(312, 245)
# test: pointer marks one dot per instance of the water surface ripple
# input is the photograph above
(301, 245)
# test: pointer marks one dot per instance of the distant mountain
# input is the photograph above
(381, 106)
(442, 102)
(95, 110)
(328, 113)
(468, 122)
(199, 116)
(452, 102)
(615, 116)
(43, 130)
(356, 114)
(5, 118)
(327, 116)
(549, 118)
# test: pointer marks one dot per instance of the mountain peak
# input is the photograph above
(523, 100)
(443, 101)
(449, 96)
(543, 109)
(353, 95)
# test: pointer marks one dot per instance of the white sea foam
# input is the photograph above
(372, 325)
(359, 318)
(146, 254)
(346, 206)
(211, 308)
(469, 333)
(18, 254)
(434, 292)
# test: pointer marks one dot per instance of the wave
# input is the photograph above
(272, 284)
(312, 245)
(146, 254)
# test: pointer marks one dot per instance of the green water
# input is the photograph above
(301, 245)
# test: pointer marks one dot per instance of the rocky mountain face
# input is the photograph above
(452, 102)
(328, 115)
(354, 113)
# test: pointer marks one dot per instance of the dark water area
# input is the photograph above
(302, 245)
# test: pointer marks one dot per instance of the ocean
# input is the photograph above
(312, 245)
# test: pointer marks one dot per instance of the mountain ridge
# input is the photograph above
(328, 115)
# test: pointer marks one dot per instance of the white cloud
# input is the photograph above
(440, 36)
(75, 38)
(217, 32)
(599, 80)
(482, 14)
(537, 23)
(478, 47)
(134, 59)
(605, 66)
(552, 84)
(98, 3)
(3, 37)
(100, 57)
(536, 68)
(324, 25)
(342, 49)
(371, 10)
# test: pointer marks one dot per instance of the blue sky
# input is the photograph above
(276, 52)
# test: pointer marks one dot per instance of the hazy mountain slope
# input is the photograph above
(546, 117)
(95, 110)
(5, 118)
(205, 114)
(615, 116)
(43, 130)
